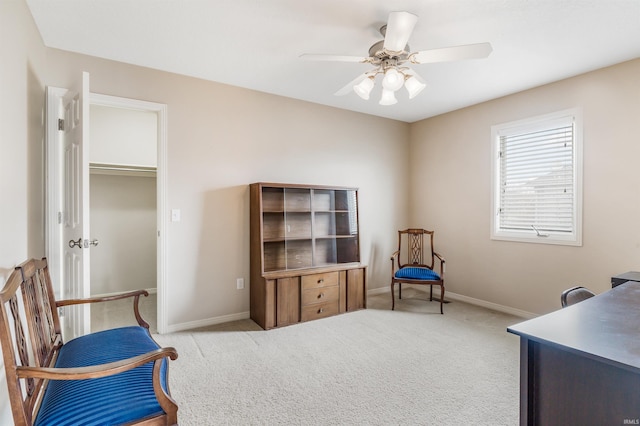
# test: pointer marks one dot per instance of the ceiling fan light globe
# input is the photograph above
(414, 87)
(388, 97)
(392, 80)
(363, 89)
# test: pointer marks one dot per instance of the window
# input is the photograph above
(537, 184)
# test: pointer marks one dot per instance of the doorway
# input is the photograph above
(123, 212)
(105, 173)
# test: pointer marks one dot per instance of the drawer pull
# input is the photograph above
(321, 295)
(321, 310)
(321, 280)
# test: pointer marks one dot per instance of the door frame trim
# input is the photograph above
(54, 185)
(53, 189)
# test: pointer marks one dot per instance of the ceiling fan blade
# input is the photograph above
(337, 58)
(454, 53)
(399, 28)
(348, 88)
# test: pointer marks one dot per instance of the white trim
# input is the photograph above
(119, 102)
(470, 300)
(53, 195)
(372, 292)
(490, 305)
(207, 322)
(376, 291)
(163, 187)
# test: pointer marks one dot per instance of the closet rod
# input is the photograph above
(121, 168)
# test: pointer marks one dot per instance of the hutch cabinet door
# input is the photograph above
(356, 298)
(287, 301)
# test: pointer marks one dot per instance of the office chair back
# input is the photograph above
(574, 295)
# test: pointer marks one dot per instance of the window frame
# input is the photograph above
(530, 125)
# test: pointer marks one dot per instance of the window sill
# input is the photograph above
(572, 240)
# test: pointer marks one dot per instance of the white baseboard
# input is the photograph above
(207, 322)
(376, 291)
(472, 301)
(453, 296)
(490, 305)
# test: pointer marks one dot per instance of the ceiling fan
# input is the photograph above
(391, 55)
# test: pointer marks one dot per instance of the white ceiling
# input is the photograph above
(257, 43)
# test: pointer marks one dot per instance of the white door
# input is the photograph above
(75, 203)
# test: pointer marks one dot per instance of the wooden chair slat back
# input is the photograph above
(32, 344)
(36, 290)
(418, 249)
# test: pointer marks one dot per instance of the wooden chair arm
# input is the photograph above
(96, 371)
(135, 294)
(442, 262)
(118, 296)
(394, 256)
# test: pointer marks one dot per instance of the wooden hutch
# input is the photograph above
(305, 253)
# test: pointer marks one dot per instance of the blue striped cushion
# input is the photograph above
(417, 273)
(112, 400)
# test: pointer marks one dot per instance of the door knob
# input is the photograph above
(88, 243)
(78, 243)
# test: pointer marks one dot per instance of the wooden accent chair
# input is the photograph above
(574, 295)
(415, 265)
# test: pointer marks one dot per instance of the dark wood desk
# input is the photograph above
(581, 365)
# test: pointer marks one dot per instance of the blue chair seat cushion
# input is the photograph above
(112, 400)
(417, 273)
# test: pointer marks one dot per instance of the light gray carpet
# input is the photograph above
(370, 367)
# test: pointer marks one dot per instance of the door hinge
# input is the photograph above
(60, 124)
(59, 218)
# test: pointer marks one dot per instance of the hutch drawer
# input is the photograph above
(319, 310)
(319, 280)
(319, 295)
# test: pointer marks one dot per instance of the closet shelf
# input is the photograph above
(122, 169)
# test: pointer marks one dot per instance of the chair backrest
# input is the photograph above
(574, 295)
(29, 333)
(416, 247)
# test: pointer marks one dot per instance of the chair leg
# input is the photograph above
(399, 290)
(431, 293)
(441, 297)
(393, 299)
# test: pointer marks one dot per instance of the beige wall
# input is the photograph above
(123, 220)
(451, 177)
(21, 135)
(21, 147)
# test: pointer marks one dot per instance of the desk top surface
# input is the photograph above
(604, 327)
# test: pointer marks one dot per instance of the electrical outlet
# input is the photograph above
(240, 283)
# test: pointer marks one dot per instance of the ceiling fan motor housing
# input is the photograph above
(378, 52)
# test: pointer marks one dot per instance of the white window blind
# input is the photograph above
(353, 208)
(537, 186)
